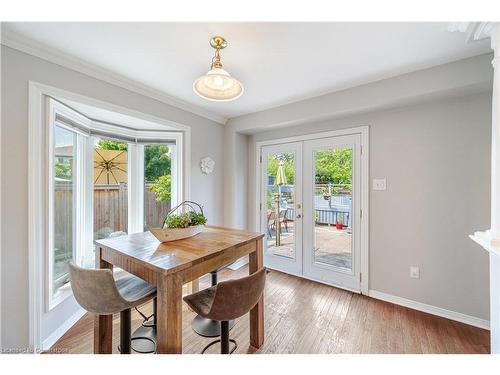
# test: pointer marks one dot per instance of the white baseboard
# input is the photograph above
(453, 315)
(63, 328)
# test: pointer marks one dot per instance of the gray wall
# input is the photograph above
(17, 69)
(436, 158)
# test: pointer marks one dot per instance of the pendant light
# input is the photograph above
(218, 85)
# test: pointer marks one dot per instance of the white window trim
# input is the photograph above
(135, 191)
(37, 185)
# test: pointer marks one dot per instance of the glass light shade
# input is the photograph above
(218, 85)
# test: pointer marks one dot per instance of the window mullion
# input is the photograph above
(135, 188)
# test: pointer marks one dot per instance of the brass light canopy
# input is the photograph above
(218, 85)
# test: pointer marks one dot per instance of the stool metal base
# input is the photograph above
(144, 340)
(208, 327)
(216, 341)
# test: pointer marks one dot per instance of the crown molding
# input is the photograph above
(21, 43)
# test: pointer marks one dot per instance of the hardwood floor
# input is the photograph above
(303, 316)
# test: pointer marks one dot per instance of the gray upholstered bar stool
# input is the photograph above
(226, 301)
(97, 292)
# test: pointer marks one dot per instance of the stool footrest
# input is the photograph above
(218, 340)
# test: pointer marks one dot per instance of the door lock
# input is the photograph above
(299, 216)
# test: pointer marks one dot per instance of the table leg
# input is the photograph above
(103, 324)
(169, 328)
(193, 286)
(256, 262)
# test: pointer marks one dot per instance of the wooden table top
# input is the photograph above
(171, 257)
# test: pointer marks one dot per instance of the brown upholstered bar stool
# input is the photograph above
(97, 292)
(226, 301)
(208, 327)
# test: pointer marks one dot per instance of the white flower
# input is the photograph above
(207, 165)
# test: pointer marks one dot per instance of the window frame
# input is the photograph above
(79, 213)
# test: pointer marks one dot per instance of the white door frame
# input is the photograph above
(37, 195)
(364, 206)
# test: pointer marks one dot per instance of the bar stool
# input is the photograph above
(226, 301)
(208, 327)
(97, 292)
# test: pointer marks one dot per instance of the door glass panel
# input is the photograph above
(280, 200)
(157, 184)
(64, 179)
(333, 207)
(110, 189)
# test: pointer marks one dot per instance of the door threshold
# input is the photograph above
(343, 287)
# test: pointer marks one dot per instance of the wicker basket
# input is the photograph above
(166, 234)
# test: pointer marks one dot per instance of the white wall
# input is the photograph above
(436, 158)
(19, 68)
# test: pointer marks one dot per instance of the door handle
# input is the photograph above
(299, 216)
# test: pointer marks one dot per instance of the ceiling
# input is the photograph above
(278, 63)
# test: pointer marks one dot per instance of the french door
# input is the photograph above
(310, 209)
(281, 207)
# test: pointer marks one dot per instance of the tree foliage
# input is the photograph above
(157, 162)
(162, 187)
(331, 166)
(107, 144)
(63, 170)
(334, 166)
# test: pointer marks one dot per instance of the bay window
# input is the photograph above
(105, 180)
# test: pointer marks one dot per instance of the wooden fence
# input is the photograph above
(111, 207)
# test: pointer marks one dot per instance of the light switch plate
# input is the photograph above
(414, 272)
(379, 184)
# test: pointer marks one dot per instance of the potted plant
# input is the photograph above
(183, 225)
(340, 222)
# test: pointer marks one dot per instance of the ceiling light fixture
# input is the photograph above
(218, 85)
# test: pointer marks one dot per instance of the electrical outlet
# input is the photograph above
(379, 184)
(414, 272)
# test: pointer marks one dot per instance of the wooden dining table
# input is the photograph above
(169, 266)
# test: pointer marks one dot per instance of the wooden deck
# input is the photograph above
(303, 316)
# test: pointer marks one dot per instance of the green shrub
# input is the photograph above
(162, 188)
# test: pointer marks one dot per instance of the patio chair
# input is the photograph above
(270, 221)
(284, 218)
